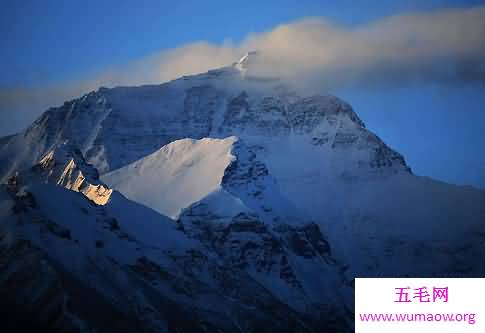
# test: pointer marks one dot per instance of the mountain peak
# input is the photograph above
(246, 60)
(279, 200)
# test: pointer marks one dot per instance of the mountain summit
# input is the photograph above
(245, 62)
(217, 202)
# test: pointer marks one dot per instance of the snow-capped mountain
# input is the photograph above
(275, 200)
(115, 127)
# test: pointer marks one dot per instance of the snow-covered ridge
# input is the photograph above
(226, 172)
(243, 64)
(66, 167)
(175, 176)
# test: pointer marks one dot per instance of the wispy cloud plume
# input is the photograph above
(444, 45)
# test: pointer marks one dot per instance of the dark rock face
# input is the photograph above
(38, 295)
(200, 104)
(245, 242)
(53, 166)
(23, 269)
(306, 241)
(266, 117)
(307, 113)
(248, 174)
(250, 312)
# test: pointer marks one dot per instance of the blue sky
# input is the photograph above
(436, 126)
(56, 39)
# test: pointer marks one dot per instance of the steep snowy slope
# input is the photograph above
(88, 253)
(405, 225)
(175, 176)
(186, 171)
(150, 274)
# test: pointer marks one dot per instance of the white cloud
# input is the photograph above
(440, 45)
(448, 44)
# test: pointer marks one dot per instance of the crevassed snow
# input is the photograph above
(177, 175)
